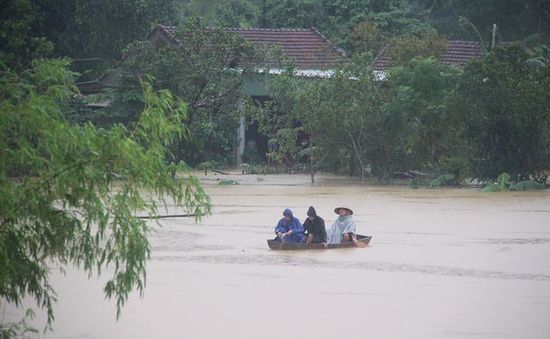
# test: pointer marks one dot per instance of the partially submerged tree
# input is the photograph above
(69, 194)
(503, 104)
(366, 125)
(336, 114)
(205, 69)
(417, 107)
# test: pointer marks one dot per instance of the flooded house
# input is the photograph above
(311, 54)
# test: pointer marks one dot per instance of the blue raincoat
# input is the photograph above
(294, 224)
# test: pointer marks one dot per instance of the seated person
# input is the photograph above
(314, 227)
(289, 228)
(343, 228)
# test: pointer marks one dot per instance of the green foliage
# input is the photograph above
(502, 104)
(365, 25)
(418, 118)
(252, 156)
(227, 182)
(365, 126)
(19, 20)
(19, 329)
(417, 104)
(402, 50)
(516, 19)
(456, 165)
(103, 28)
(527, 185)
(415, 183)
(367, 37)
(201, 72)
(443, 180)
(277, 120)
(236, 13)
(504, 183)
(60, 199)
(331, 112)
(396, 18)
(494, 188)
(207, 165)
(289, 13)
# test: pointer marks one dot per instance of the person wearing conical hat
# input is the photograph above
(314, 228)
(343, 229)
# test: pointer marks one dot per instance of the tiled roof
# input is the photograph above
(458, 53)
(308, 48)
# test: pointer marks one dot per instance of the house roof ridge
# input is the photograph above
(307, 47)
(456, 52)
(165, 29)
(463, 42)
(258, 29)
(338, 50)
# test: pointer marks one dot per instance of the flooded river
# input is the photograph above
(446, 263)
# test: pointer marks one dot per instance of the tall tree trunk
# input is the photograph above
(311, 162)
(358, 156)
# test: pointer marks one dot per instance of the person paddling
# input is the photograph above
(289, 228)
(343, 229)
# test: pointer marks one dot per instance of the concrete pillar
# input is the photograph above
(241, 140)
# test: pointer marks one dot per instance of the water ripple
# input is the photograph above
(283, 260)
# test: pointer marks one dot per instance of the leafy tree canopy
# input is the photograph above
(78, 29)
(61, 200)
(206, 71)
(502, 100)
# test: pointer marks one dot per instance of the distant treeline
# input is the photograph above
(83, 29)
(488, 118)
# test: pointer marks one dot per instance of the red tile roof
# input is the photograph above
(307, 48)
(458, 53)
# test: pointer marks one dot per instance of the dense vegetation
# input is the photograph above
(59, 157)
(489, 118)
(71, 193)
(411, 122)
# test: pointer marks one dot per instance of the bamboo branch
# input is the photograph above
(41, 184)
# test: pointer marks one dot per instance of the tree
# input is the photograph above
(19, 41)
(79, 29)
(358, 122)
(236, 13)
(70, 193)
(104, 28)
(353, 24)
(277, 118)
(337, 114)
(202, 70)
(418, 94)
(503, 104)
(516, 19)
(289, 13)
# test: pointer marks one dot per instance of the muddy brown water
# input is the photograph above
(446, 263)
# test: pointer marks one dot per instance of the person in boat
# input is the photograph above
(289, 228)
(343, 229)
(314, 228)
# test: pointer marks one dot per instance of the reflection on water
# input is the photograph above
(449, 263)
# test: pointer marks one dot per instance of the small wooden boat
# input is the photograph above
(285, 246)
